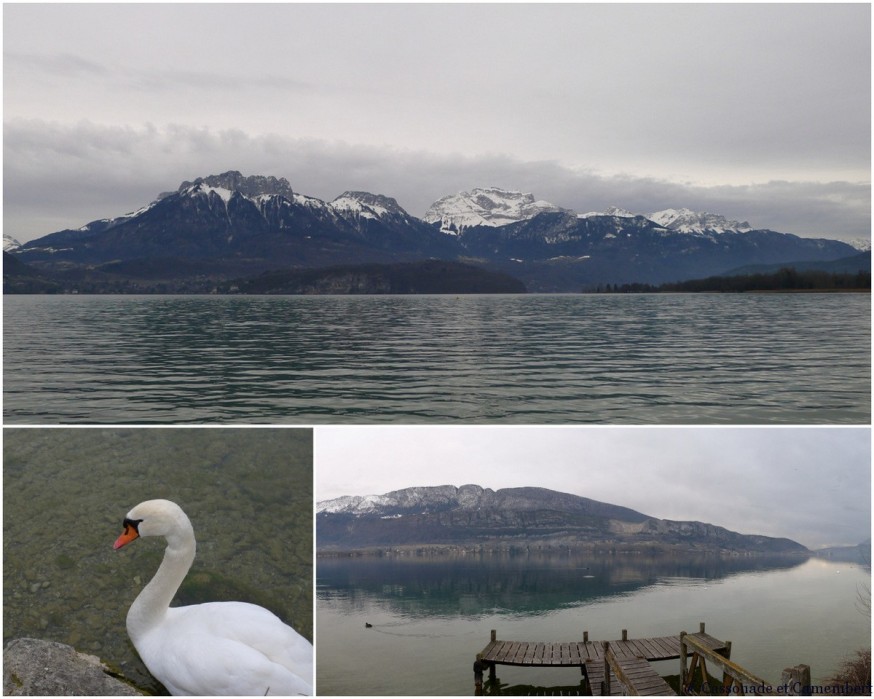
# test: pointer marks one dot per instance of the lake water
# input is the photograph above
(430, 616)
(248, 493)
(706, 358)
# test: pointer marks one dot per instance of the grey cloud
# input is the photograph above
(91, 171)
(53, 65)
(62, 66)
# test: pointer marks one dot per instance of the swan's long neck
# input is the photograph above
(150, 606)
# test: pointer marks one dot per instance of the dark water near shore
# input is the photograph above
(248, 493)
(431, 616)
(706, 358)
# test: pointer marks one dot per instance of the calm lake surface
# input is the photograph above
(431, 616)
(703, 358)
(248, 493)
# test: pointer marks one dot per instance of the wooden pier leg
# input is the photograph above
(796, 680)
(624, 634)
(478, 676)
(704, 682)
(585, 636)
(692, 666)
(682, 662)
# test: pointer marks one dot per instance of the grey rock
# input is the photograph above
(33, 667)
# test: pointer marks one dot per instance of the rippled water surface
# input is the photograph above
(746, 358)
(248, 493)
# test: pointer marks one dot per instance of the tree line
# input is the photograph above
(786, 279)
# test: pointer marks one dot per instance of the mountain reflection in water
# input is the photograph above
(412, 625)
(476, 584)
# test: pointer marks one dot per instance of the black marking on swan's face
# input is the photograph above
(134, 523)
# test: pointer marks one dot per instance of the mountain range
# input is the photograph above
(471, 515)
(225, 227)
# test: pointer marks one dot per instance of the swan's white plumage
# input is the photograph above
(216, 648)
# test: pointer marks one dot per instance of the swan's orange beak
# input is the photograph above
(129, 534)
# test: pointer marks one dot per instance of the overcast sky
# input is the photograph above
(758, 112)
(812, 485)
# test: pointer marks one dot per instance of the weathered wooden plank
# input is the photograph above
(504, 651)
(641, 678)
(529, 654)
(636, 651)
(575, 654)
(653, 650)
(713, 643)
(596, 677)
(669, 646)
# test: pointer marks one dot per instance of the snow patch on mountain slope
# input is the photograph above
(9, 243)
(611, 211)
(490, 206)
(353, 504)
(688, 221)
(357, 205)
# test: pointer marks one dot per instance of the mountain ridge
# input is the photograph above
(251, 225)
(471, 515)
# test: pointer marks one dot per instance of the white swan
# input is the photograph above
(217, 648)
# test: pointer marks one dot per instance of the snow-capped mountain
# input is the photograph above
(270, 194)
(10, 243)
(679, 220)
(234, 181)
(473, 515)
(229, 226)
(490, 206)
(419, 499)
(367, 205)
(688, 221)
(361, 209)
(255, 220)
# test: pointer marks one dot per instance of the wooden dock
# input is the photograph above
(613, 667)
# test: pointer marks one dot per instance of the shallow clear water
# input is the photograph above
(66, 491)
(704, 358)
(431, 616)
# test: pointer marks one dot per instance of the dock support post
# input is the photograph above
(478, 676)
(682, 662)
(796, 680)
(701, 627)
(605, 685)
(624, 634)
(494, 635)
(585, 636)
